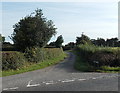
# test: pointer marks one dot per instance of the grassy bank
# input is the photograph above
(99, 59)
(33, 66)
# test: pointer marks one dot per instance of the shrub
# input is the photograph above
(104, 59)
(105, 56)
(37, 54)
(12, 60)
(34, 54)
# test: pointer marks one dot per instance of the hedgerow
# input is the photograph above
(100, 56)
(15, 60)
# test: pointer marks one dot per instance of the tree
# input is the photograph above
(33, 30)
(112, 42)
(59, 41)
(52, 44)
(2, 38)
(100, 42)
(82, 40)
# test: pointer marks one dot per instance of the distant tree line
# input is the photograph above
(113, 42)
(83, 39)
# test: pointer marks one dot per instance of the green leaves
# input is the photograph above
(33, 30)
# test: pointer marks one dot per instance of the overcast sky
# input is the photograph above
(71, 19)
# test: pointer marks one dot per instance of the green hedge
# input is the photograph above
(105, 56)
(37, 54)
(15, 60)
(12, 60)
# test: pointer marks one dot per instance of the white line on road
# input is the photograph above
(81, 79)
(49, 82)
(29, 85)
(10, 88)
(67, 80)
(93, 78)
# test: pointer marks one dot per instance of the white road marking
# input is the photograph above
(10, 88)
(49, 82)
(29, 85)
(81, 79)
(93, 78)
(67, 80)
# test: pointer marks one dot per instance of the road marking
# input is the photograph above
(81, 79)
(10, 88)
(49, 82)
(29, 85)
(93, 78)
(67, 80)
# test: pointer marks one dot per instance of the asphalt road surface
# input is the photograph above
(61, 77)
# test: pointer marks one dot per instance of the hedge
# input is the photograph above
(12, 60)
(101, 56)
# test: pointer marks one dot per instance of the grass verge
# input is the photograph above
(33, 67)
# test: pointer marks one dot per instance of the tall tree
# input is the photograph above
(59, 41)
(33, 30)
(82, 40)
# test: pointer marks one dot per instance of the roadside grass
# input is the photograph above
(109, 69)
(83, 66)
(32, 67)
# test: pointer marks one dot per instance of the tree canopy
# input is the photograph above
(82, 40)
(33, 30)
(59, 41)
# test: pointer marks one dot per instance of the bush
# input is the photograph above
(12, 60)
(104, 59)
(37, 54)
(105, 56)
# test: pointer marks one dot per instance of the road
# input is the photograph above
(61, 77)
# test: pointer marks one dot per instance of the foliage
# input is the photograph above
(59, 41)
(52, 44)
(12, 60)
(100, 56)
(2, 38)
(33, 67)
(69, 46)
(6, 46)
(113, 42)
(17, 60)
(37, 54)
(33, 30)
(83, 40)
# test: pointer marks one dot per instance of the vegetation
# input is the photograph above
(33, 30)
(58, 42)
(96, 55)
(82, 40)
(17, 62)
(113, 42)
(31, 34)
(2, 38)
(33, 66)
(12, 60)
(99, 57)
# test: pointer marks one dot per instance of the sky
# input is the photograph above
(95, 19)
